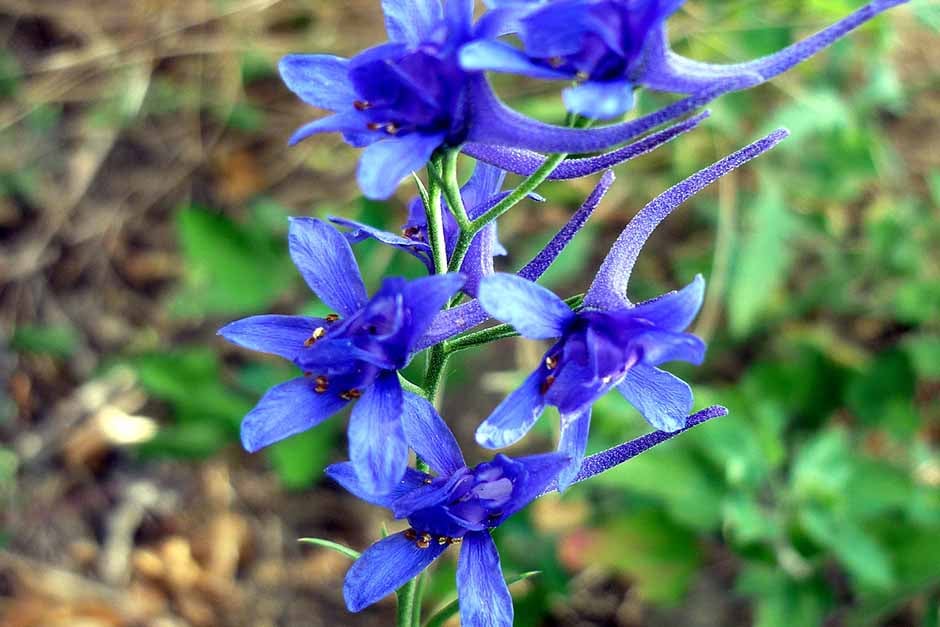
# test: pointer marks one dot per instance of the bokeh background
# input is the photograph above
(144, 187)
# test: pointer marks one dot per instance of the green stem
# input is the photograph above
(452, 189)
(432, 210)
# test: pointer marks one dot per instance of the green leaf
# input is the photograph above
(883, 394)
(335, 546)
(763, 259)
(660, 557)
(858, 551)
(230, 269)
(57, 341)
(780, 601)
(450, 609)
(823, 467)
(924, 349)
(300, 460)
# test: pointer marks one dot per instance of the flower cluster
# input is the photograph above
(423, 99)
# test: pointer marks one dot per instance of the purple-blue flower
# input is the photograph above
(460, 505)
(609, 47)
(457, 505)
(610, 342)
(401, 99)
(352, 355)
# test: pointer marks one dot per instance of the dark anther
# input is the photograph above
(551, 362)
(331, 318)
(556, 61)
(413, 232)
(362, 105)
(424, 541)
(350, 395)
(375, 126)
(547, 383)
(428, 481)
(410, 534)
(318, 333)
(322, 384)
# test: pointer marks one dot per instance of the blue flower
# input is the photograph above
(352, 355)
(610, 342)
(611, 46)
(480, 193)
(457, 505)
(402, 99)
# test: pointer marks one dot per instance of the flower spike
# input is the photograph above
(525, 162)
(492, 122)
(610, 284)
(598, 463)
(665, 70)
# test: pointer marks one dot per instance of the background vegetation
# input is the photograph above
(144, 190)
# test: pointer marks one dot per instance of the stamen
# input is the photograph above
(412, 232)
(547, 383)
(322, 384)
(350, 395)
(443, 540)
(410, 534)
(551, 362)
(556, 62)
(391, 128)
(318, 333)
(375, 126)
(581, 76)
(424, 541)
(607, 379)
(428, 481)
(331, 318)
(362, 105)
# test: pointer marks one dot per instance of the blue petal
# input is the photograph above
(339, 354)
(573, 443)
(495, 56)
(534, 311)
(513, 418)
(425, 496)
(385, 567)
(276, 335)
(658, 347)
(674, 311)
(599, 101)
(344, 474)
(540, 471)
(425, 297)
(481, 588)
(346, 122)
(609, 288)
(319, 79)
(384, 164)
(285, 410)
(429, 436)
(326, 261)
(377, 446)
(486, 181)
(663, 398)
(459, 17)
(411, 21)
(360, 231)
